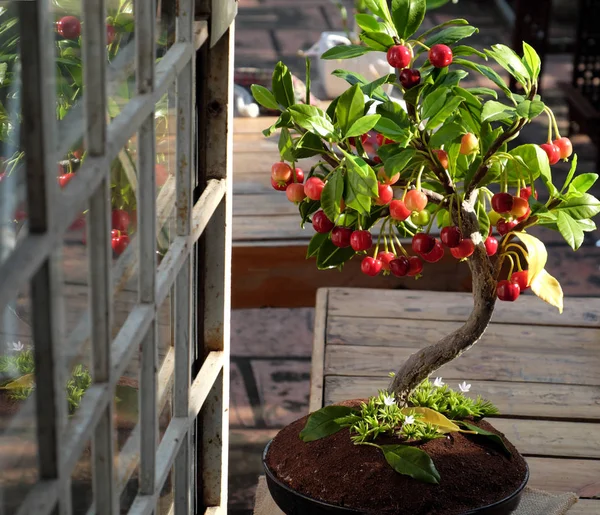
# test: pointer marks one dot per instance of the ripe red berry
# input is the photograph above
(442, 156)
(422, 243)
(410, 77)
(313, 188)
(340, 236)
(491, 245)
(400, 266)
(520, 278)
(382, 140)
(520, 207)
(120, 219)
(465, 248)
(552, 151)
(69, 27)
(384, 179)
(386, 194)
(525, 216)
(565, 146)
(399, 56)
(111, 34)
(363, 139)
(78, 153)
(299, 175)
(502, 202)
(321, 223)
(415, 266)
(371, 266)
(451, 236)
(386, 258)
(281, 172)
(526, 193)
(295, 192)
(508, 291)
(361, 240)
(440, 56)
(415, 200)
(279, 186)
(398, 210)
(469, 143)
(119, 242)
(64, 179)
(435, 254)
(505, 226)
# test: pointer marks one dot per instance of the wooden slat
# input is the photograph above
(262, 162)
(318, 354)
(579, 311)
(538, 400)
(275, 203)
(586, 507)
(283, 227)
(479, 363)
(252, 125)
(414, 334)
(566, 475)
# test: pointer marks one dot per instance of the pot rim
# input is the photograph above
(475, 511)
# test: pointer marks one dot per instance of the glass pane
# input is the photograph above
(165, 501)
(81, 482)
(166, 361)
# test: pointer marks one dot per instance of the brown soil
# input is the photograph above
(334, 470)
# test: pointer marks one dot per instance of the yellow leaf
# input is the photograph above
(26, 381)
(444, 424)
(537, 255)
(548, 289)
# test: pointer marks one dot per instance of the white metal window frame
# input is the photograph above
(200, 404)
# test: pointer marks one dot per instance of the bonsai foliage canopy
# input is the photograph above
(388, 171)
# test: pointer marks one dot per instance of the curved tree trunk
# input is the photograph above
(423, 363)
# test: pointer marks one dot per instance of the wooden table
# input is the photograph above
(540, 368)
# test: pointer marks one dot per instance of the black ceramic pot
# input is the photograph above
(294, 503)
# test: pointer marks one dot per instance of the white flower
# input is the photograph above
(464, 387)
(388, 400)
(438, 383)
(409, 420)
(15, 346)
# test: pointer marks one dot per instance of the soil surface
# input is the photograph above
(473, 472)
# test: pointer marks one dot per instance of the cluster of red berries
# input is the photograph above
(513, 209)
(121, 221)
(400, 56)
(560, 148)
(284, 179)
(510, 289)
(69, 27)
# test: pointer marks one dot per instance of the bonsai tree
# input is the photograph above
(449, 156)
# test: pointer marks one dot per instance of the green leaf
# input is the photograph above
(371, 89)
(434, 102)
(570, 230)
(393, 111)
(397, 162)
(585, 206)
(286, 145)
(322, 423)
(447, 110)
(583, 182)
(380, 8)
(496, 111)
(361, 184)
(456, 21)
(484, 91)
(392, 131)
(307, 207)
(363, 125)
(510, 61)
(315, 243)
(331, 196)
(330, 256)
(284, 120)
(528, 109)
(308, 145)
(434, 4)
(486, 71)
(447, 133)
(312, 119)
(282, 87)
(412, 462)
(407, 16)
(571, 173)
(453, 78)
(484, 220)
(345, 52)
(491, 436)
(532, 61)
(264, 97)
(367, 22)
(461, 50)
(587, 225)
(450, 35)
(531, 163)
(350, 107)
(379, 41)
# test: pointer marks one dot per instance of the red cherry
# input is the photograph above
(384, 179)
(63, 180)
(502, 202)
(435, 254)
(505, 226)
(295, 192)
(321, 223)
(565, 146)
(340, 236)
(520, 278)
(363, 139)
(508, 291)
(386, 258)
(400, 266)
(382, 140)
(465, 248)
(451, 236)
(377, 160)
(281, 173)
(491, 245)
(520, 207)
(525, 216)
(469, 143)
(442, 156)
(526, 193)
(415, 266)
(279, 186)
(120, 219)
(111, 34)
(415, 200)
(422, 243)
(371, 266)
(78, 153)
(440, 56)
(299, 175)
(361, 240)
(398, 210)
(119, 242)
(552, 151)
(386, 194)
(399, 56)
(313, 188)
(410, 77)
(69, 27)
